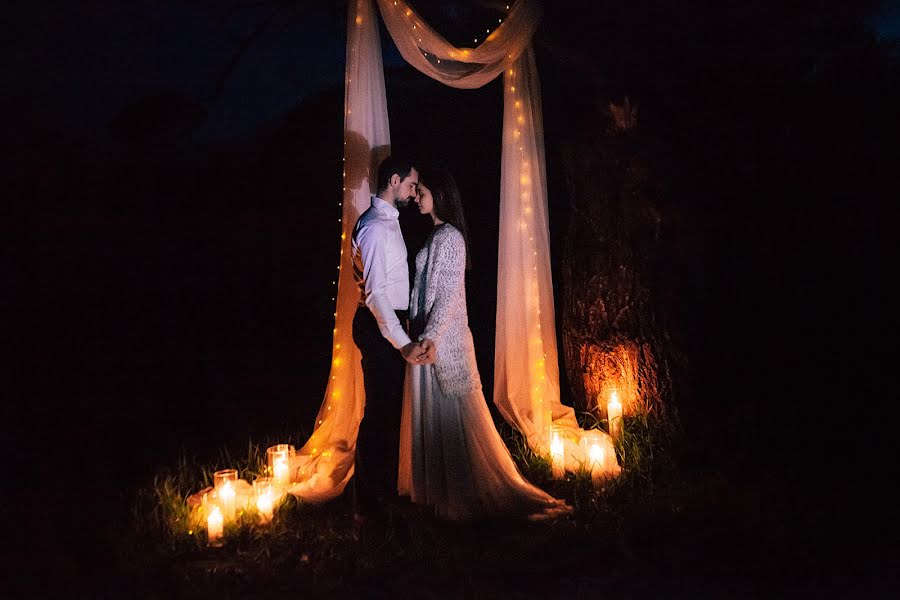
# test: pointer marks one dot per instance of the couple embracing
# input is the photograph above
(427, 432)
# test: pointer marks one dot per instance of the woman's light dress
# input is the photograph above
(451, 455)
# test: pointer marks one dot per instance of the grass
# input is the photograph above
(318, 550)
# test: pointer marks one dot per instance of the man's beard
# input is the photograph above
(404, 202)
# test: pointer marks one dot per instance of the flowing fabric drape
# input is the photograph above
(324, 465)
(464, 68)
(526, 372)
(526, 379)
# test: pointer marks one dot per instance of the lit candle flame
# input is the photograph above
(614, 415)
(281, 472)
(215, 527)
(265, 503)
(557, 458)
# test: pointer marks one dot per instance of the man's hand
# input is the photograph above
(411, 353)
(428, 352)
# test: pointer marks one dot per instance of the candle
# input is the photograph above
(595, 450)
(265, 498)
(614, 416)
(265, 504)
(557, 457)
(227, 495)
(224, 482)
(279, 459)
(214, 527)
(281, 471)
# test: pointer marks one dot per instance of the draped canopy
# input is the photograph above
(526, 380)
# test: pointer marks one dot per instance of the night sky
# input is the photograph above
(77, 63)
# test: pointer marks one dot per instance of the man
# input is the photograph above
(379, 331)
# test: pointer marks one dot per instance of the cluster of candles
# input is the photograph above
(592, 443)
(222, 501)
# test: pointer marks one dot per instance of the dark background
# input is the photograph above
(170, 243)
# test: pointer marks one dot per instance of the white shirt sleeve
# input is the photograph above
(373, 251)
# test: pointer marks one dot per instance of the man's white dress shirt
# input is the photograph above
(380, 268)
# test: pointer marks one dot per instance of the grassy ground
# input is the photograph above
(652, 532)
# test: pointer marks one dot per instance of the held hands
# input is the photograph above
(429, 352)
(421, 353)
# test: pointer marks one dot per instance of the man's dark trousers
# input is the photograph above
(378, 444)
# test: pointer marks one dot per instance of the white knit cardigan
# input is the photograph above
(438, 310)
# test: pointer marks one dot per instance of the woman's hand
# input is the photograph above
(429, 352)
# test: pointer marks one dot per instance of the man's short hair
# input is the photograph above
(390, 166)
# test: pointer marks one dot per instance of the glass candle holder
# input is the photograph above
(546, 425)
(593, 449)
(225, 483)
(614, 416)
(557, 454)
(215, 521)
(279, 461)
(266, 495)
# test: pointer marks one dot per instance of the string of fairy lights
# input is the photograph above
(337, 356)
(417, 27)
(526, 224)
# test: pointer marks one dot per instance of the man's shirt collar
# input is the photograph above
(384, 208)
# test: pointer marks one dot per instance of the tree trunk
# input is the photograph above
(613, 338)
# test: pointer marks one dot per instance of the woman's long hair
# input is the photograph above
(447, 202)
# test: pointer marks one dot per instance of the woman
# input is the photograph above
(451, 456)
